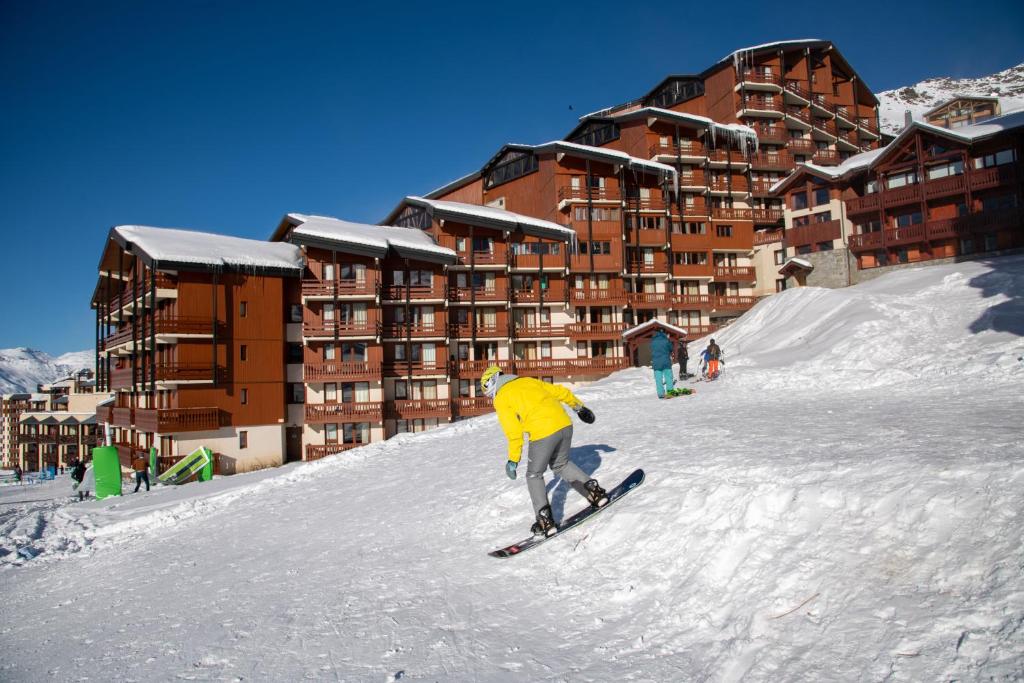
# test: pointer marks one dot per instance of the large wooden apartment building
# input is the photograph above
(190, 336)
(932, 193)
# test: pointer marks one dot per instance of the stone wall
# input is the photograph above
(872, 273)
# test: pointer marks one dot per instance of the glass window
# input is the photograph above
(243, 440)
(295, 313)
(243, 352)
(297, 392)
(245, 396)
(243, 308)
(780, 256)
(821, 196)
(294, 352)
(723, 230)
(799, 200)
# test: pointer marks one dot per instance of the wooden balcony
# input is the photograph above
(910, 234)
(527, 295)
(537, 331)
(647, 238)
(732, 185)
(826, 157)
(465, 330)
(175, 420)
(466, 295)
(317, 451)
(656, 263)
(690, 179)
(469, 406)
(797, 89)
(468, 369)
(723, 157)
(942, 187)
(761, 187)
(337, 371)
(822, 105)
(802, 146)
(326, 329)
(869, 202)
(682, 241)
(419, 408)
(437, 291)
(566, 367)
(732, 214)
(436, 328)
(691, 302)
(689, 149)
(738, 303)
(533, 261)
(595, 331)
(595, 194)
(772, 161)
(653, 201)
(122, 417)
(602, 263)
(495, 256)
(692, 270)
(759, 76)
(901, 195)
(338, 413)
(735, 273)
(813, 233)
(165, 328)
(867, 241)
(328, 289)
(764, 237)
(771, 134)
(649, 299)
(754, 105)
(985, 178)
(869, 126)
(763, 216)
(798, 117)
(140, 290)
(105, 414)
(594, 296)
(401, 368)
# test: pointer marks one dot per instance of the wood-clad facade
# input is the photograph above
(193, 352)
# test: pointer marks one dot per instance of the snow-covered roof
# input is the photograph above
(795, 262)
(175, 248)
(848, 167)
(953, 98)
(376, 239)
(654, 322)
(490, 216)
(733, 132)
(767, 46)
(105, 402)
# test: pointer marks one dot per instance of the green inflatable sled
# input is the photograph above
(198, 461)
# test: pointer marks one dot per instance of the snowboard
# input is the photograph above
(627, 485)
(672, 393)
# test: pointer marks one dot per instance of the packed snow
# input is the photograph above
(845, 503)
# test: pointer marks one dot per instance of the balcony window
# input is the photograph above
(355, 392)
(870, 187)
(596, 248)
(945, 170)
(723, 230)
(353, 352)
(897, 180)
(907, 219)
(330, 393)
(691, 258)
(328, 275)
(330, 352)
(294, 352)
(353, 271)
(800, 221)
(331, 433)
(821, 196)
(465, 388)
(871, 226)
(823, 217)
(416, 278)
(1005, 156)
(799, 200)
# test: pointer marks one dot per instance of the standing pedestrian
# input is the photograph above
(141, 472)
(683, 355)
(714, 355)
(661, 361)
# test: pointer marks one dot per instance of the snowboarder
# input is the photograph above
(661, 360)
(141, 472)
(714, 354)
(682, 355)
(77, 475)
(529, 406)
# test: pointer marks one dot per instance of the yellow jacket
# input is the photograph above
(528, 405)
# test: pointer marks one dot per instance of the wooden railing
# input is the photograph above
(465, 330)
(563, 367)
(554, 292)
(908, 234)
(867, 240)
(730, 213)
(745, 273)
(658, 263)
(602, 262)
(194, 326)
(756, 103)
(724, 155)
(692, 179)
(691, 302)
(944, 186)
(327, 328)
(985, 178)
(330, 371)
(733, 302)
(813, 233)
(467, 406)
(528, 330)
(798, 114)
(317, 451)
(595, 295)
(826, 157)
(173, 420)
(475, 368)
(401, 368)
(729, 185)
(125, 295)
(464, 294)
(767, 215)
(771, 133)
(901, 195)
(595, 193)
(821, 102)
(322, 413)
(534, 260)
(692, 270)
(762, 237)
(414, 408)
(437, 328)
(584, 331)
(649, 299)
(698, 331)
(869, 202)
(762, 76)
(798, 90)
(344, 287)
(437, 290)
(686, 148)
(781, 161)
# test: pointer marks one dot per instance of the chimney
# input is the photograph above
(908, 118)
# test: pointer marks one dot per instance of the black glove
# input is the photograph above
(586, 414)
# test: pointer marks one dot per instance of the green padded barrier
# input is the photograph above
(107, 470)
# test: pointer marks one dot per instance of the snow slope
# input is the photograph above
(1007, 85)
(22, 369)
(845, 504)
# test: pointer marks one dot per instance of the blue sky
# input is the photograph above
(224, 116)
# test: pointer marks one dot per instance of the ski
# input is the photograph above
(627, 485)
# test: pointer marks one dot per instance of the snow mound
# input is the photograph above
(865, 529)
(921, 325)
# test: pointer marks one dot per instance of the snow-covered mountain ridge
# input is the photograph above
(1007, 85)
(22, 369)
(844, 504)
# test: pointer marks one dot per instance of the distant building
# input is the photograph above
(932, 193)
(963, 110)
(52, 427)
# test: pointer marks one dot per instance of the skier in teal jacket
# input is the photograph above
(661, 359)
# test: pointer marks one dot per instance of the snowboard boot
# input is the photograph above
(545, 525)
(596, 495)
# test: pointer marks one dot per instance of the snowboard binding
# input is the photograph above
(545, 525)
(596, 495)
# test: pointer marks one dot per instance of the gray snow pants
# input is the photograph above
(552, 451)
